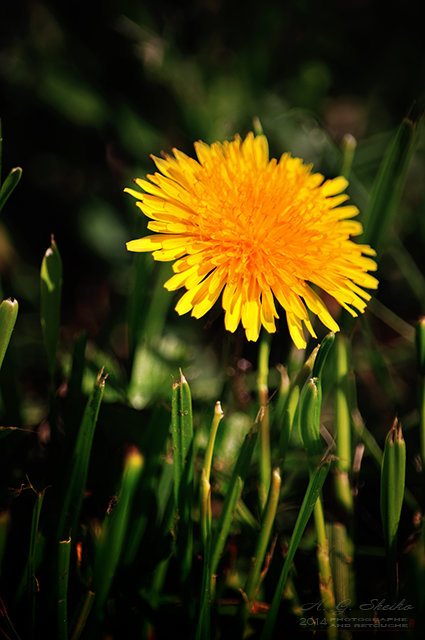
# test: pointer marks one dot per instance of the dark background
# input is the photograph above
(89, 89)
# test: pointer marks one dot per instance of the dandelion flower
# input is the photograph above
(254, 231)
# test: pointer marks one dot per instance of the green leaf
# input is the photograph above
(8, 314)
(183, 457)
(50, 303)
(114, 530)
(64, 553)
(310, 406)
(9, 185)
(233, 493)
(80, 462)
(393, 474)
(388, 185)
(324, 349)
(314, 488)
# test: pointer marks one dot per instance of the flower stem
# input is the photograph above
(263, 394)
(325, 573)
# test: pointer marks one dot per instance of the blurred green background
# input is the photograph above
(90, 89)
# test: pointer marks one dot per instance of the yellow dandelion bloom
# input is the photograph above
(255, 231)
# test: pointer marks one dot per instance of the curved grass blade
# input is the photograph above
(203, 627)
(254, 578)
(8, 314)
(80, 462)
(63, 575)
(393, 474)
(31, 580)
(50, 301)
(388, 185)
(183, 455)
(83, 615)
(263, 395)
(290, 413)
(420, 352)
(9, 185)
(314, 488)
(114, 530)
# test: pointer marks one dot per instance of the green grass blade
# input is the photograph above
(254, 577)
(310, 408)
(205, 489)
(8, 315)
(420, 352)
(181, 431)
(290, 412)
(388, 185)
(233, 493)
(263, 396)
(114, 530)
(393, 474)
(31, 580)
(310, 404)
(322, 355)
(9, 185)
(80, 462)
(63, 575)
(83, 615)
(183, 457)
(203, 626)
(349, 144)
(314, 488)
(50, 301)
(342, 427)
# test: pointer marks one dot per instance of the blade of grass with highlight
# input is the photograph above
(8, 378)
(290, 412)
(205, 491)
(63, 576)
(80, 462)
(420, 353)
(263, 395)
(50, 301)
(310, 404)
(183, 458)
(269, 514)
(233, 493)
(388, 185)
(393, 473)
(31, 580)
(83, 615)
(314, 488)
(310, 430)
(342, 427)
(8, 314)
(114, 530)
(204, 624)
(344, 586)
(349, 144)
(9, 185)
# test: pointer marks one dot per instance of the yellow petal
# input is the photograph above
(335, 186)
(148, 243)
(296, 330)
